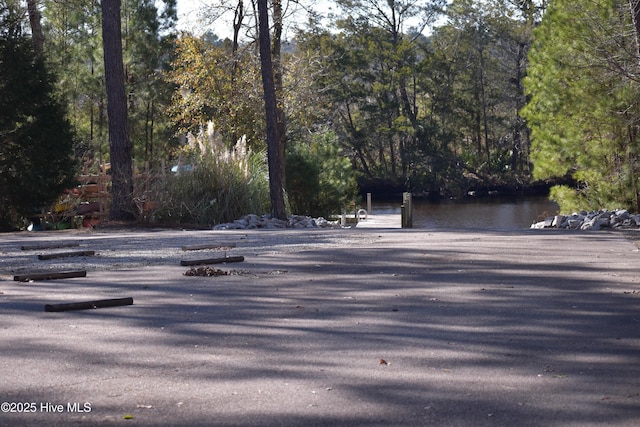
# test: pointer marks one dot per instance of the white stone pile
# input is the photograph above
(594, 220)
(252, 221)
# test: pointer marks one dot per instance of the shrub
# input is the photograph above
(320, 179)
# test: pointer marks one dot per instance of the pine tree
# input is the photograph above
(583, 109)
(36, 141)
(122, 206)
(274, 149)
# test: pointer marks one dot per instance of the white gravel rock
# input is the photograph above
(594, 220)
(253, 221)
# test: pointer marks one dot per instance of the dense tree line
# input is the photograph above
(437, 114)
(436, 97)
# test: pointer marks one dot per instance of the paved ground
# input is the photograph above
(361, 327)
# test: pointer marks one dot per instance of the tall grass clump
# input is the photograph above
(214, 185)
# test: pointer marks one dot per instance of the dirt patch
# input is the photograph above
(212, 272)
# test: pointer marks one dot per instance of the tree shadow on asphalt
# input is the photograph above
(467, 339)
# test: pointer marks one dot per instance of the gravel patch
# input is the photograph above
(129, 248)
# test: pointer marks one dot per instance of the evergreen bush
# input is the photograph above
(36, 141)
(320, 179)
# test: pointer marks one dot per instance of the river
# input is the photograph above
(488, 213)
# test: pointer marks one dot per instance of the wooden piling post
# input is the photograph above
(407, 210)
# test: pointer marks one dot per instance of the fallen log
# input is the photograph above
(200, 247)
(212, 260)
(89, 305)
(50, 275)
(66, 254)
(50, 246)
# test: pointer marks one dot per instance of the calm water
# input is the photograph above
(480, 213)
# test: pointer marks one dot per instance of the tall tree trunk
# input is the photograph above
(122, 207)
(520, 137)
(276, 52)
(275, 152)
(36, 27)
(485, 120)
(237, 26)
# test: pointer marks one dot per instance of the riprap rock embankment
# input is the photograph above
(594, 220)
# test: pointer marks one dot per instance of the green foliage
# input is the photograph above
(583, 197)
(479, 61)
(435, 113)
(73, 49)
(215, 83)
(359, 80)
(149, 45)
(220, 186)
(36, 141)
(320, 180)
(583, 110)
(303, 180)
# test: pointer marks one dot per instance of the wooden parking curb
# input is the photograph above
(200, 247)
(212, 260)
(50, 246)
(88, 305)
(66, 254)
(50, 275)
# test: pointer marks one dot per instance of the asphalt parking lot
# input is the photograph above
(359, 327)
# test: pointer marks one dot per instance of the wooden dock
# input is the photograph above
(381, 221)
